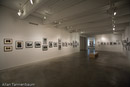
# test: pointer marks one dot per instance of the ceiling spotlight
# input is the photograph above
(113, 29)
(19, 12)
(44, 17)
(31, 1)
(114, 13)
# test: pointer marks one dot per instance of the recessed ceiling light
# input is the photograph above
(113, 29)
(114, 13)
(44, 17)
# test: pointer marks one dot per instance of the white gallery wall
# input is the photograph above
(12, 27)
(107, 38)
(126, 35)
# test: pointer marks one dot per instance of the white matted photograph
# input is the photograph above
(29, 44)
(8, 48)
(37, 44)
(8, 41)
(19, 44)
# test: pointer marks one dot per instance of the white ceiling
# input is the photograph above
(88, 16)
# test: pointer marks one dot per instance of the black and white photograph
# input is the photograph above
(59, 41)
(63, 44)
(50, 44)
(55, 44)
(37, 44)
(44, 40)
(19, 44)
(114, 43)
(44, 47)
(111, 43)
(8, 41)
(8, 48)
(29, 44)
(59, 47)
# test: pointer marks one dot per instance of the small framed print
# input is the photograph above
(71, 44)
(59, 41)
(107, 43)
(44, 40)
(63, 44)
(55, 44)
(37, 44)
(19, 44)
(8, 41)
(50, 44)
(114, 43)
(8, 48)
(119, 43)
(59, 47)
(101, 43)
(29, 44)
(110, 43)
(44, 47)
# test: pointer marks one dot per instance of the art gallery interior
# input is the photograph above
(64, 43)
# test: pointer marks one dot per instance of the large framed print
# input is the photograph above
(8, 41)
(37, 44)
(19, 44)
(8, 48)
(44, 40)
(29, 44)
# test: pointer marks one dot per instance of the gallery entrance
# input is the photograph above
(90, 45)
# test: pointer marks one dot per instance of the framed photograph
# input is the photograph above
(110, 43)
(71, 44)
(107, 43)
(44, 40)
(50, 44)
(59, 41)
(19, 44)
(29, 44)
(104, 43)
(59, 47)
(44, 47)
(114, 43)
(101, 43)
(8, 41)
(63, 44)
(8, 48)
(119, 43)
(37, 44)
(55, 44)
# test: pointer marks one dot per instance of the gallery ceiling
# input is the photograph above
(86, 16)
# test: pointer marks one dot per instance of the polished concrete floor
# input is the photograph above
(110, 69)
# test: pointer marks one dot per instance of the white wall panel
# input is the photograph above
(12, 27)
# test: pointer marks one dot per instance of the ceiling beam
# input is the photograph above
(28, 8)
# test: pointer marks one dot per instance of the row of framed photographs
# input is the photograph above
(29, 44)
(108, 43)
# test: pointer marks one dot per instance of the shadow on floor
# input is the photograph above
(110, 69)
